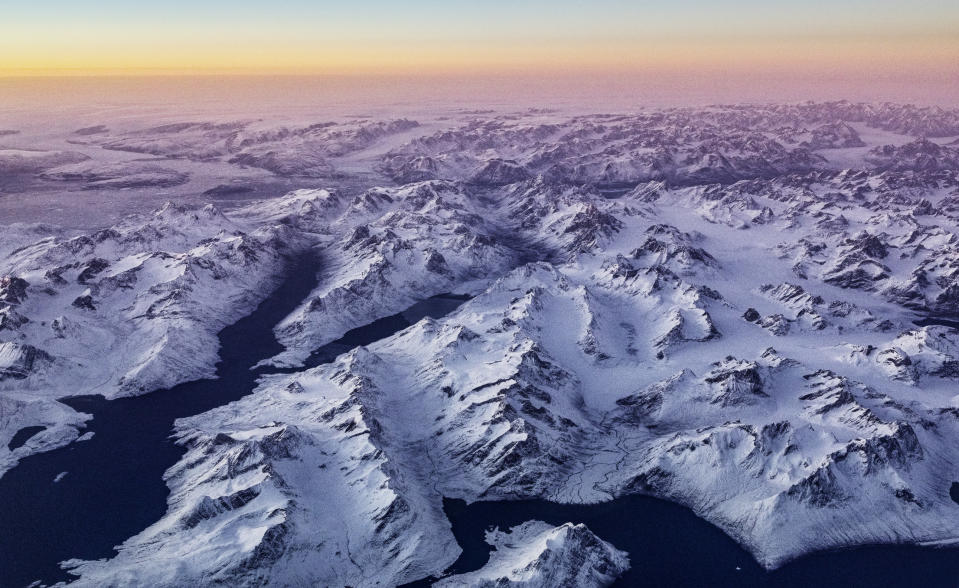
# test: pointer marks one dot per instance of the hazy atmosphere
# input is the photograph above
(563, 37)
(688, 51)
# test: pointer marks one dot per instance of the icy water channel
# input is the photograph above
(669, 546)
(81, 500)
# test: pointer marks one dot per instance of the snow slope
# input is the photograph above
(125, 310)
(713, 306)
(536, 554)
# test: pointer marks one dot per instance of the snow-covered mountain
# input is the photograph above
(535, 554)
(385, 249)
(302, 150)
(712, 306)
(125, 310)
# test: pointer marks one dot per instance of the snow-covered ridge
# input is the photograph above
(302, 151)
(711, 306)
(535, 389)
(680, 146)
(535, 554)
(125, 310)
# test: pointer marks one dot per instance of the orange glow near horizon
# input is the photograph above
(911, 55)
(542, 49)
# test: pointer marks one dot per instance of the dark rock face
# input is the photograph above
(13, 290)
(821, 489)
(834, 136)
(869, 245)
(92, 270)
(84, 302)
(751, 315)
(921, 155)
(500, 172)
(735, 382)
(436, 263)
(777, 324)
(948, 300)
(668, 244)
(589, 226)
(19, 361)
(210, 507)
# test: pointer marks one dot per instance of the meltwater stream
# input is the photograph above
(81, 500)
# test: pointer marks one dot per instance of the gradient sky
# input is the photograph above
(917, 37)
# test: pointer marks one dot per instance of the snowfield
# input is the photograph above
(712, 306)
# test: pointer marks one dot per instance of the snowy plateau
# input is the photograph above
(718, 306)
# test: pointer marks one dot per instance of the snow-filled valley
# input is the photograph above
(719, 307)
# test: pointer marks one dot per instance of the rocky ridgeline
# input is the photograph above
(712, 306)
(535, 554)
(126, 310)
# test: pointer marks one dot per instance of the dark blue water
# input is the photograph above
(669, 546)
(945, 322)
(21, 437)
(115, 486)
(613, 191)
(434, 307)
